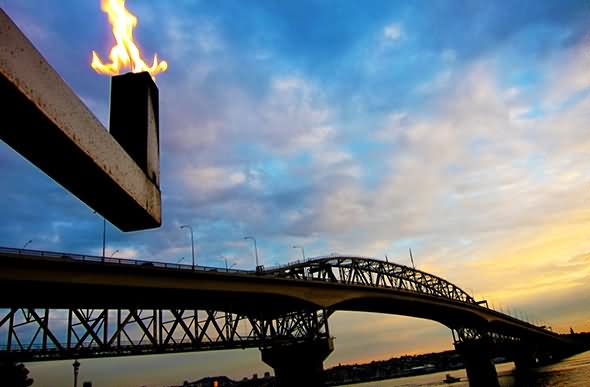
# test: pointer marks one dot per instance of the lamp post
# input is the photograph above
(26, 244)
(302, 250)
(114, 252)
(192, 241)
(226, 265)
(104, 235)
(255, 250)
(180, 260)
(76, 366)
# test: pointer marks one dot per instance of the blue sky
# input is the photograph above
(457, 128)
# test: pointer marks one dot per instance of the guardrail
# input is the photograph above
(61, 256)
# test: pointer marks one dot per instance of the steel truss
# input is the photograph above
(371, 272)
(473, 335)
(49, 334)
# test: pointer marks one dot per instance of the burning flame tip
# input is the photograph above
(125, 53)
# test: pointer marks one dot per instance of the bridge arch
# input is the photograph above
(358, 270)
(385, 287)
(372, 285)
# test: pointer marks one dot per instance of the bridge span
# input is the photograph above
(60, 305)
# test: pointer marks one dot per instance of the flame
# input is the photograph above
(125, 53)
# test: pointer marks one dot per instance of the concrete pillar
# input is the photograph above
(525, 360)
(134, 120)
(481, 371)
(299, 364)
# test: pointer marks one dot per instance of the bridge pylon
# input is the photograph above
(525, 360)
(298, 364)
(476, 349)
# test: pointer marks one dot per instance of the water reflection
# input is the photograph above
(573, 371)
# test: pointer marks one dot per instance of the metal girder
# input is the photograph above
(270, 301)
(44, 121)
(372, 272)
(470, 334)
(28, 334)
(369, 272)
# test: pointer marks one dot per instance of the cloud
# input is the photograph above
(580, 259)
(568, 74)
(467, 143)
(392, 32)
(470, 170)
(212, 181)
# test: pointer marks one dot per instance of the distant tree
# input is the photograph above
(14, 375)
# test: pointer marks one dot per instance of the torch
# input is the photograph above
(134, 113)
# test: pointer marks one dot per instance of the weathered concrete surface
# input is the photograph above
(46, 122)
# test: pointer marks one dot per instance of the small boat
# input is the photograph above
(451, 379)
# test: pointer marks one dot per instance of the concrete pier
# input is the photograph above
(480, 368)
(299, 364)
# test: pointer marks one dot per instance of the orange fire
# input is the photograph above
(125, 53)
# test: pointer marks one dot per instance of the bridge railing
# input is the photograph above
(60, 256)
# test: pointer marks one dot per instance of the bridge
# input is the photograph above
(64, 306)
(68, 306)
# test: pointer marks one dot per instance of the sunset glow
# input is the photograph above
(459, 132)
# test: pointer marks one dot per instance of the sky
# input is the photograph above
(455, 128)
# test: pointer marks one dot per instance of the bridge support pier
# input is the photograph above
(480, 368)
(525, 360)
(299, 364)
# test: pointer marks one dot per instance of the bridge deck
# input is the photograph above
(31, 279)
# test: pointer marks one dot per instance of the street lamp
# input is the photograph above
(255, 250)
(114, 252)
(180, 260)
(192, 241)
(104, 235)
(76, 366)
(302, 250)
(26, 244)
(226, 266)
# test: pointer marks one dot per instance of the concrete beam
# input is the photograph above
(45, 121)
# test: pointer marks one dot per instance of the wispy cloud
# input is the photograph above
(392, 32)
(458, 131)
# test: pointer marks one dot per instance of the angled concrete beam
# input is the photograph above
(44, 121)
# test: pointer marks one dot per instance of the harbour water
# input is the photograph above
(570, 372)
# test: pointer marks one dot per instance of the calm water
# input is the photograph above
(573, 371)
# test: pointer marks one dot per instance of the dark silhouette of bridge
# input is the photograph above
(66, 306)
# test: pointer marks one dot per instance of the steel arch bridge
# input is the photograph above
(374, 273)
(365, 271)
(58, 306)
